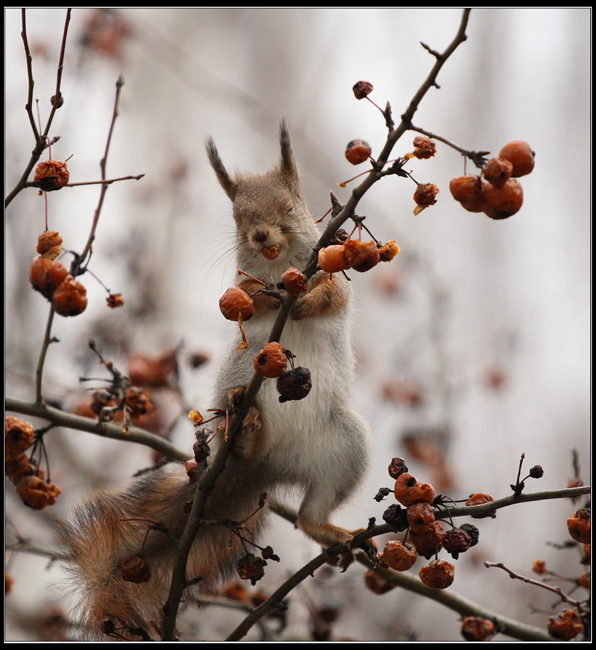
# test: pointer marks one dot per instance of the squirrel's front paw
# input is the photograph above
(235, 396)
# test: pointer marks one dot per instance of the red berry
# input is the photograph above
(565, 626)
(294, 281)
(425, 194)
(236, 304)
(70, 298)
(271, 360)
(376, 583)
(358, 151)
(362, 89)
(424, 147)
(420, 516)
(400, 556)
(476, 628)
(408, 490)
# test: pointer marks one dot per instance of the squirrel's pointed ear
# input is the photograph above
(221, 172)
(288, 168)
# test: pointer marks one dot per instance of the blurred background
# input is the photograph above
(473, 344)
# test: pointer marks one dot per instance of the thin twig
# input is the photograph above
(47, 339)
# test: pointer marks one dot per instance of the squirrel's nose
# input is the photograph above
(260, 234)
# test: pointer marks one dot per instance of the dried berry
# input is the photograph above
(270, 252)
(236, 304)
(424, 196)
(294, 384)
(271, 360)
(539, 567)
(361, 255)
(362, 89)
(396, 517)
(358, 151)
(137, 401)
(536, 471)
(408, 490)
(18, 435)
(388, 251)
(333, 259)
(37, 493)
(438, 574)
(476, 628)
(49, 244)
(578, 526)
(430, 541)
(397, 467)
(400, 556)
(478, 499)
(473, 533)
(135, 569)
(201, 450)
(520, 154)
(424, 147)
(115, 300)
(16, 466)
(420, 516)
(456, 541)
(251, 568)
(51, 175)
(46, 276)
(70, 297)
(565, 626)
(295, 282)
(506, 200)
(498, 171)
(192, 470)
(376, 583)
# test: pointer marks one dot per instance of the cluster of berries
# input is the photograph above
(496, 191)
(32, 488)
(50, 277)
(356, 254)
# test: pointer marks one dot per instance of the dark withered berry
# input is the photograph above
(294, 384)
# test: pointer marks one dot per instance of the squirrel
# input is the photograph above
(319, 444)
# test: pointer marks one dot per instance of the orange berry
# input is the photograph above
(45, 275)
(357, 151)
(498, 171)
(466, 188)
(294, 281)
(144, 371)
(439, 574)
(37, 493)
(70, 297)
(16, 466)
(376, 583)
(425, 194)
(579, 526)
(565, 626)
(407, 490)
(420, 516)
(476, 628)
(361, 89)
(506, 200)
(424, 147)
(428, 542)
(51, 175)
(584, 580)
(520, 154)
(333, 259)
(361, 255)
(400, 556)
(115, 300)
(478, 499)
(539, 567)
(49, 244)
(271, 360)
(137, 401)
(236, 304)
(18, 435)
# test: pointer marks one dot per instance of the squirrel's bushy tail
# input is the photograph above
(110, 527)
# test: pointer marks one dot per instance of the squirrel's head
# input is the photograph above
(269, 209)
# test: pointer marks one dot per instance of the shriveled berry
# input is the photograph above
(520, 154)
(456, 541)
(236, 304)
(400, 556)
(565, 625)
(408, 490)
(478, 499)
(271, 360)
(388, 251)
(18, 435)
(70, 298)
(425, 194)
(294, 384)
(376, 583)
(201, 450)
(37, 493)
(420, 516)
(16, 466)
(361, 255)
(536, 471)
(49, 244)
(137, 400)
(497, 171)
(424, 147)
(578, 526)
(476, 628)
(362, 89)
(294, 281)
(396, 517)
(472, 531)
(439, 574)
(506, 200)
(333, 259)
(51, 175)
(115, 300)
(358, 151)
(430, 541)
(135, 569)
(539, 567)
(251, 568)
(397, 467)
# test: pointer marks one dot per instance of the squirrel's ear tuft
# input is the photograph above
(221, 172)
(288, 167)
